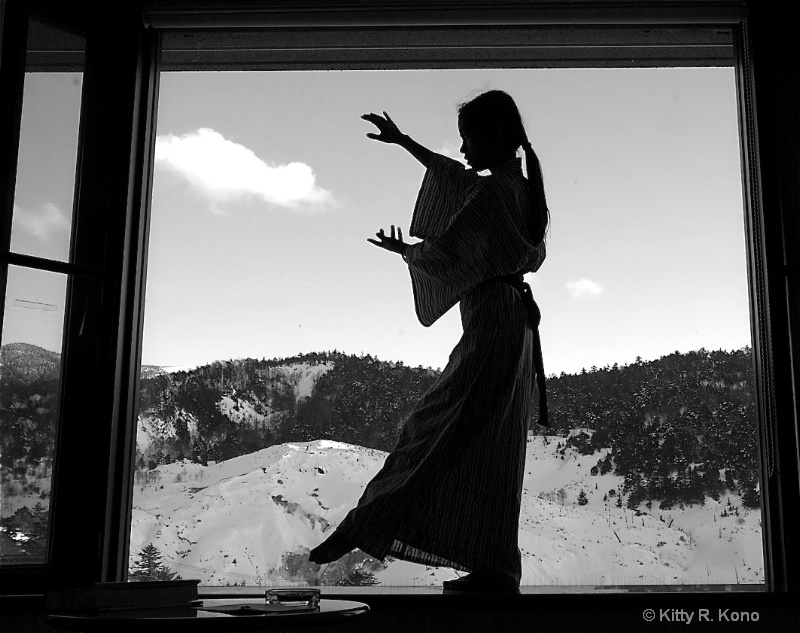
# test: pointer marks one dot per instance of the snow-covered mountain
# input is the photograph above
(676, 437)
(251, 519)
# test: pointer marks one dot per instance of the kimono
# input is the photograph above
(449, 493)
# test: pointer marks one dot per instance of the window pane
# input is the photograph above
(29, 405)
(282, 355)
(43, 201)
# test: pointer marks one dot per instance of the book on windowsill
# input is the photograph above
(123, 595)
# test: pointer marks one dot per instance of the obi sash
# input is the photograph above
(534, 317)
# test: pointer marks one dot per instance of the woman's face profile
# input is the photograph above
(479, 148)
(471, 146)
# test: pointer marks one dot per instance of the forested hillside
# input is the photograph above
(29, 389)
(679, 428)
(233, 408)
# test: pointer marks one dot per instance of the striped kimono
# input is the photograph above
(449, 493)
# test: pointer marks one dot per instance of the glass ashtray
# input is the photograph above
(301, 598)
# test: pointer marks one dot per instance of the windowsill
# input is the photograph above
(563, 605)
(556, 607)
(387, 596)
(560, 607)
(549, 590)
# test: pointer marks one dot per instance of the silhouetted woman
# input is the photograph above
(449, 493)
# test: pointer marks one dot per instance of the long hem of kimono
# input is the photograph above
(401, 550)
(398, 546)
(401, 547)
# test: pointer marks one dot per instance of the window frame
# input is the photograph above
(112, 177)
(207, 28)
(115, 172)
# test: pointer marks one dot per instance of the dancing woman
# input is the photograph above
(449, 493)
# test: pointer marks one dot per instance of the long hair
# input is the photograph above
(496, 106)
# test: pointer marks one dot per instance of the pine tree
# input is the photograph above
(149, 566)
(582, 498)
(751, 498)
(359, 578)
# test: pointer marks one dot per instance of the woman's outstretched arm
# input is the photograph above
(390, 133)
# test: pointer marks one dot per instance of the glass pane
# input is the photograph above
(29, 409)
(42, 220)
(281, 352)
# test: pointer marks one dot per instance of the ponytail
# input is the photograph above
(498, 106)
(538, 213)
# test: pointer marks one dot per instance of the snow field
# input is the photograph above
(232, 522)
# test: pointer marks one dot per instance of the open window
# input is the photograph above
(263, 196)
(38, 268)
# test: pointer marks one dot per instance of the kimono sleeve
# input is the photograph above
(486, 239)
(441, 196)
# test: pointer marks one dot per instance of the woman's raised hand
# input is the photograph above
(389, 132)
(393, 244)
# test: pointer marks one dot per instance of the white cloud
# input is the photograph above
(225, 170)
(42, 220)
(583, 288)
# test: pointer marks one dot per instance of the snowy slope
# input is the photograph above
(232, 522)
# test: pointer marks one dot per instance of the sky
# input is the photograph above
(266, 189)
